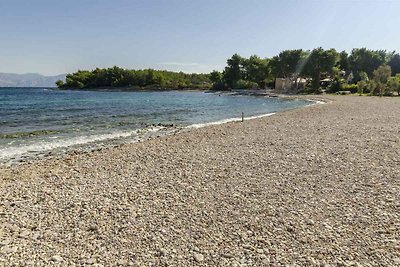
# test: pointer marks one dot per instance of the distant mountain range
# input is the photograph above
(28, 80)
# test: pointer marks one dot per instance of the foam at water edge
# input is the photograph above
(200, 125)
(318, 102)
(8, 153)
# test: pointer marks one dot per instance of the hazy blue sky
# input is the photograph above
(59, 36)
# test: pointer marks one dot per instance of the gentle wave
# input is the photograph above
(200, 125)
(13, 152)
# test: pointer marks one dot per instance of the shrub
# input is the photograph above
(310, 90)
(362, 87)
(219, 86)
(353, 88)
(336, 85)
(242, 84)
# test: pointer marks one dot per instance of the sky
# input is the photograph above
(58, 36)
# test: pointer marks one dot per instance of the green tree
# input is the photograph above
(336, 85)
(394, 84)
(343, 62)
(381, 76)
(78, 79)
(60, 83)
(394, 63)
(234, 70)
(288, 63)
(363, 83)
(216, 76)
(217, 80)
(362, 59)
(362, 87)
(320, 61)
(363, 76)
(256, 70)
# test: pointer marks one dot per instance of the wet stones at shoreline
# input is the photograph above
(56, 153)
(166, 125)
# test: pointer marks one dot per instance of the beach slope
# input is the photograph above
(309, 186)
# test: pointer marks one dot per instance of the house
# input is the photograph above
(290, 85)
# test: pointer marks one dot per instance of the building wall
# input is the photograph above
(282, 84)
(286, 85)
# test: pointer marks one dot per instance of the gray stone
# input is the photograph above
(198, 257)
(57, 258)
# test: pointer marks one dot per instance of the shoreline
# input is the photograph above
(120, 138)
(87, 144)
(237, 119)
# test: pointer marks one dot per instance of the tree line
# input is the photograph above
(116, 77)
(362, 70)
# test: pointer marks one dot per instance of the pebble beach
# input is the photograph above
(313, 186)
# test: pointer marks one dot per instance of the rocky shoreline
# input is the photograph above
(306, 187)
(139, 135)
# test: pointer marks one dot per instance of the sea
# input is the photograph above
(40, 122)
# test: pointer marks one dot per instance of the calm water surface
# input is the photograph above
(39, 119)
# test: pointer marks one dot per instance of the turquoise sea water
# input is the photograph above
(40, 119)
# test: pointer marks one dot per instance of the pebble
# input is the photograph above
(91, 261)
(93, 228)
(162, 252)
(122, 262)
(5, 242)
(198, 257)
(24, 234)
(57, 258)
(9, 249)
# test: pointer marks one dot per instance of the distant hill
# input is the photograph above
(28, 80)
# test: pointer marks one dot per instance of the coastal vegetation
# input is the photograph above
(116, 77)
(363, 71)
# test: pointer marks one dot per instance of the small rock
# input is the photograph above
(122, 262)
(260, 251)
(198, 257)
(9, 249)
(24, 234)
(93, 228)
(5, 242)
(162, 252)
(91, 261)
(57, 258)
(12, 228)
(247, 246)
(310, 222)
(29, 263)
